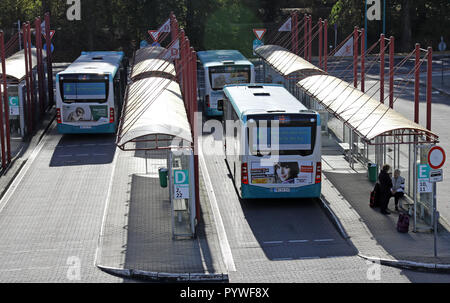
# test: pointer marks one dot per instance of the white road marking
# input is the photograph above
(324, 240)
(273, 242)
(298, 241)
(105, 211)
(223, 240)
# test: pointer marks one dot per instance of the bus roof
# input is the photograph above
(262, 99)
(95, 63)
(220, 57)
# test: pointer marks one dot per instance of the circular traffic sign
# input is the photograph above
(436, 157)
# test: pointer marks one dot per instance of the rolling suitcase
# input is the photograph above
(403, 223)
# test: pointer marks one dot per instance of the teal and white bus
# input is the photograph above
(217, 68)
(272, 143)
(90, 92)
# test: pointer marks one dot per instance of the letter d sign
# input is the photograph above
(374, 11)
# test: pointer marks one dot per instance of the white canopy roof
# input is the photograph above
(154, 106)
(367, 116)
(285, 62)
(15, 65)
(149, 61)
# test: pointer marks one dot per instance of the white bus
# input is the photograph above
(261, 115)
(217, 68)
(90, 92)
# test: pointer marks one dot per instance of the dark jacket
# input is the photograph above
(385, 186)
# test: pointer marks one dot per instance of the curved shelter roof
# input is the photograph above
(365, 115)
(15, 65)
(154, 110)
(149, 61)
(287, 63)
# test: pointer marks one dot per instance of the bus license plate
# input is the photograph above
(85, 127)
(282, 190)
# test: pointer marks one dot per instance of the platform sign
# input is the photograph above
(423, 179)
(181, 184)
(14, 106)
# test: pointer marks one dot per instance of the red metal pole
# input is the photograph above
(429, 85)
(4, 98)
(51, 98)
(320, 42)
(382, 68)
(38, 39)
(391, 72)
(6, 102)
(27, 74)
(30, 65)
(325, 46)
(417, 84)
(296, 33)
(355, 57)
(363, 61)
(305, 37)
(309, 38)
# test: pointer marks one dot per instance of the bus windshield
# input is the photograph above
(222, 75)
(295, 134)
(84, 89)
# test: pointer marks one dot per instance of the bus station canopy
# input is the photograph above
(15, 65)
(367, 116)
(154, 113)
(286, 63)
(151, 61)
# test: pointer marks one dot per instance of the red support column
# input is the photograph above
(417, 84)
(382, 68)
(30, 66)
(355, 57)
(51, 98)
(27, 75)
(38, 42)
(391, 72)
(429, 86)
(3, 98)
(363, 61)
(325, 46)
(309, 38)
(305, 37)
(320, 42)
(5, 101)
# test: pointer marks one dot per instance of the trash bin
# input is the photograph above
(162, 176)
(373, 170)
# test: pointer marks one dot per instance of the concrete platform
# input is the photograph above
(136, 238)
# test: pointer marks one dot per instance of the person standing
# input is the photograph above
(398, 187)
(385, 188)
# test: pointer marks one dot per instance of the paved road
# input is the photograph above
(50, 220)
(288, 240)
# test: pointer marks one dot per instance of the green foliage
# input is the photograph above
(218, 24)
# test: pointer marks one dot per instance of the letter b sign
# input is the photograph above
(374, 11)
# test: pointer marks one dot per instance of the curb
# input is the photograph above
(428, 267)
(163, 276)
(333, 217)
